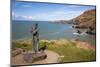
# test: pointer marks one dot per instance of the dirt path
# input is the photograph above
(52, 57)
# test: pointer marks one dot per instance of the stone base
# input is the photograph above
(31, 57)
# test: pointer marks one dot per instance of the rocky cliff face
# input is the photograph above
(87, 20)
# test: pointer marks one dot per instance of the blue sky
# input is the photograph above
(45, 11)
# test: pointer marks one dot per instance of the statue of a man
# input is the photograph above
(35, 40)
(38, 55)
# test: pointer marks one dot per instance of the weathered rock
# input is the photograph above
(17, 52)
(32, 57)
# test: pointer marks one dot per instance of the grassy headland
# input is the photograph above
(68, 50)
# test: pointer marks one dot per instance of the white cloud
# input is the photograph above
(14, 15)
(26, 6)
(58, 14)
(75, 6)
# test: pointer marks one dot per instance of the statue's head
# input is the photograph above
(36, 24)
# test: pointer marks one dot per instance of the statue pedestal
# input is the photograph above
(32, 57)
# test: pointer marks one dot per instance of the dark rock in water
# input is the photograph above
(32, 57)
(80, 26)
(79, 32)
(91, 31)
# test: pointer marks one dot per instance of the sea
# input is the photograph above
(48, 30)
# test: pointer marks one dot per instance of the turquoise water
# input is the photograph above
(48, 30)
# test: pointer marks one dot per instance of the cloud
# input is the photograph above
(17, 16)
(21, 6)
(26, 6)
(58, 14)
(75, 6)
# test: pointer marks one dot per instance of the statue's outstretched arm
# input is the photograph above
(36, 30)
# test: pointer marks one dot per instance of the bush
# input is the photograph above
(25, 46)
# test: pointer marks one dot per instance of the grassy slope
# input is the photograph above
(67, 50)
(87, 19)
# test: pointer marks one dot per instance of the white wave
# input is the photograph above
(79, 34)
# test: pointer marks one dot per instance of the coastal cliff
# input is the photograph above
(87, 20)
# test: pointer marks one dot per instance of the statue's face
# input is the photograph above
(36, 24)
(33, 27)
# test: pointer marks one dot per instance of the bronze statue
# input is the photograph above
(35, 40)
(37, 54)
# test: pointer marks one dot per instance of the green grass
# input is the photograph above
(69, 50)
(26, 45)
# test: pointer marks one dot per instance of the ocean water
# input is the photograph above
(48, 30)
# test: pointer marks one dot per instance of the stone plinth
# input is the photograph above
(32, 57)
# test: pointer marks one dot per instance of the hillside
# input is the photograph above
(87, 20)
